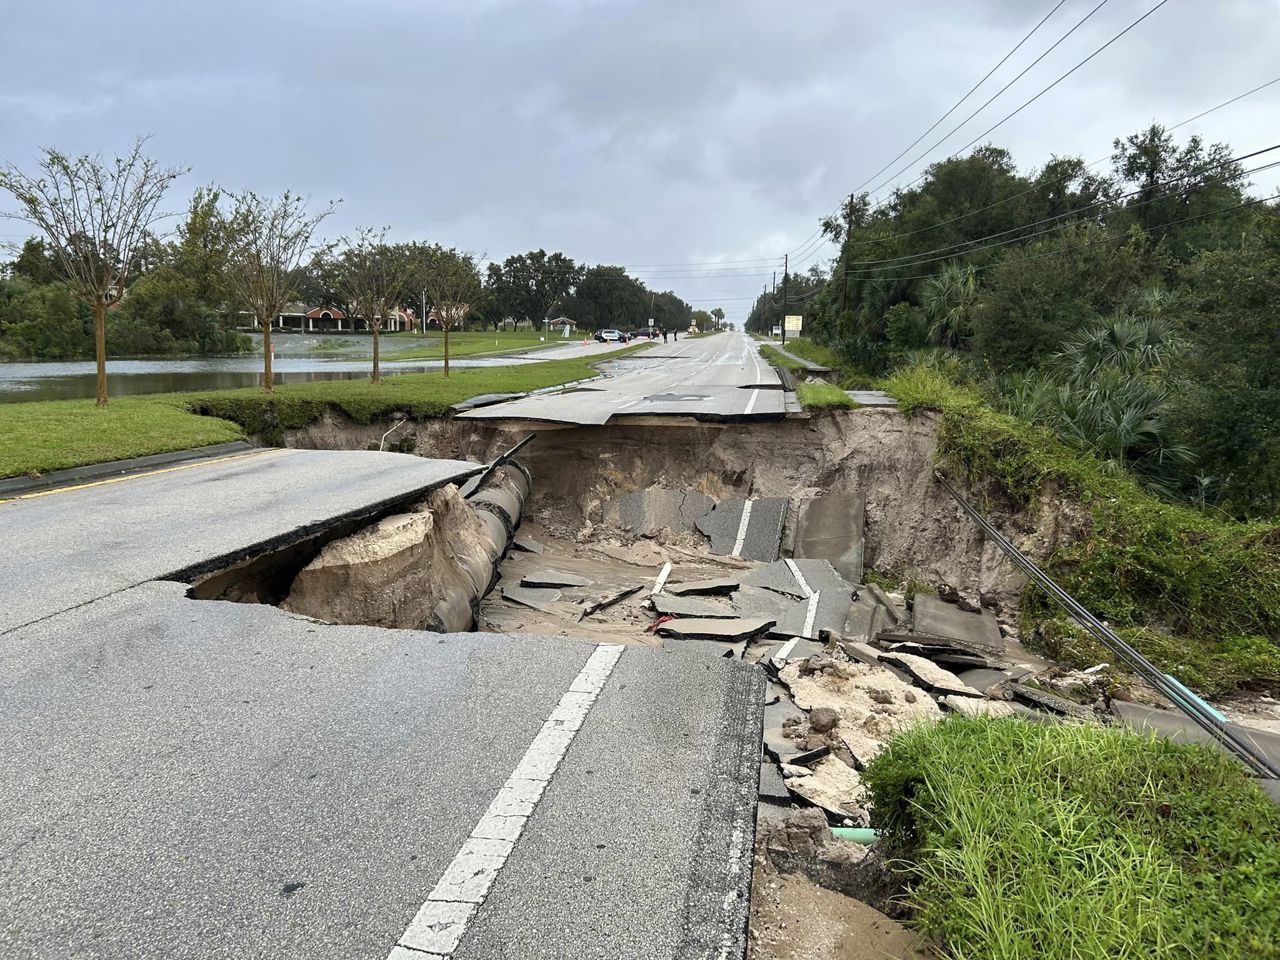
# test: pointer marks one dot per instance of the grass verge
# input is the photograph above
(823, 396)
(779, 359)
(39, 437)
(473, 343)
(1061, 841)
(1198, 595)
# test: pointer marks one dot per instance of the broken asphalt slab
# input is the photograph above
(830, 528)
(536, 598)
(715, 586)
(929, 675)
(690, 606)
(935, 617)
(751, 529)
(553, 579)
(703, 628)
(646, 512)
(358, 764)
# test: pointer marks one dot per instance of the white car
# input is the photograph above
(609, 336)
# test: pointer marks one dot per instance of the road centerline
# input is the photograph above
(441, 922)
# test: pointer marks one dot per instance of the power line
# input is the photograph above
(970, 93)
(1070, 213)
(1090, 243)
(974, 88)
(1058, 182)
(1079, 23)
(1032, 100)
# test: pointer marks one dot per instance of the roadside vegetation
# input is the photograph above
(39, 437)
(823, 396)
(1104, 338)
(1064, 841)
(1130, 311)
(1193, 590)
(480, 343)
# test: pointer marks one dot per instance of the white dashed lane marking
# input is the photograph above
(742, 529)
(442, 920)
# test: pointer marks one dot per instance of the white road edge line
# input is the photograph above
(795, 572)
(742, 528)
(812, 613)
(442, 920)
(751, 404)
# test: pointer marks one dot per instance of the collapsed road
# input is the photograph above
(597, 700)
(187, 778)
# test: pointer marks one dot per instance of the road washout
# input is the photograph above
(819, 549)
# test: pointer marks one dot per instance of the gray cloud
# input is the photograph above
(625, 132)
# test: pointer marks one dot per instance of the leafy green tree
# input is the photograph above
(372, 274)
(451, 279)
(1228, 404)
(529, 286)
(267, 239)
(36, 263)
(96, 216)
(607, 298)
(1038, 294)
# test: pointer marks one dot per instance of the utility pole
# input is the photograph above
(786, 268)
(844, 274)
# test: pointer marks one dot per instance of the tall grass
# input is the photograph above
(1071, 842)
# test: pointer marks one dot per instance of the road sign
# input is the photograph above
(777, 331)
(793, 323)
(651, 321)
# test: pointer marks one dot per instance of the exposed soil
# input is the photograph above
(913, 528)
(792, 918)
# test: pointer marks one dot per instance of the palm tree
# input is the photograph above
(947, 299)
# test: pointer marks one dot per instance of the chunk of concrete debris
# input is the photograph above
(893, 612)
(527, 545)
(835, 787)
(690, 606)
(929, 675)
(718, 585)
(978, 707)
(706, 628)
(872, 702)
(553, 578)
(646, 512)
(1048, 701)
(772, 786)
(823, 719)
(751, 529)
(830, 528)
(985, 680)
(537, 598)
(936, 618)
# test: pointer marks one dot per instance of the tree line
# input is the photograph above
(1133, 310)
(99, 281)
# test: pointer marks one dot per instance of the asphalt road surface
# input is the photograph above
(187, 778)
(720, 377)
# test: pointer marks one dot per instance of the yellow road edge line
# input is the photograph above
(149, 473)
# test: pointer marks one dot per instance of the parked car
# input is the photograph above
(610, 336)
(644, 333)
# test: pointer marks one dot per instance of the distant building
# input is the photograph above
(304, 319)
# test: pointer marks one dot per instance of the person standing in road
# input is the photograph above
(675, 335)
(664, 334)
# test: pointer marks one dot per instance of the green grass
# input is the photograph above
(1198, 594)
(823, 396)
(1063, 842)
(478, 343)
(777, 359)
(38, 437)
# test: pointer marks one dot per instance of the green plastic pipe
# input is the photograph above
(863, 835)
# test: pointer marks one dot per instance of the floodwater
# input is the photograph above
(57, 380)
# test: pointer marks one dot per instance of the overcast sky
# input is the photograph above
(635, 133)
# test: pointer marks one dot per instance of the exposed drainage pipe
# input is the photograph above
(1192, 706)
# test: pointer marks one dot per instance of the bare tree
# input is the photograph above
(372, 274)
(267, 239)
(451, 280)
(96, 214)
